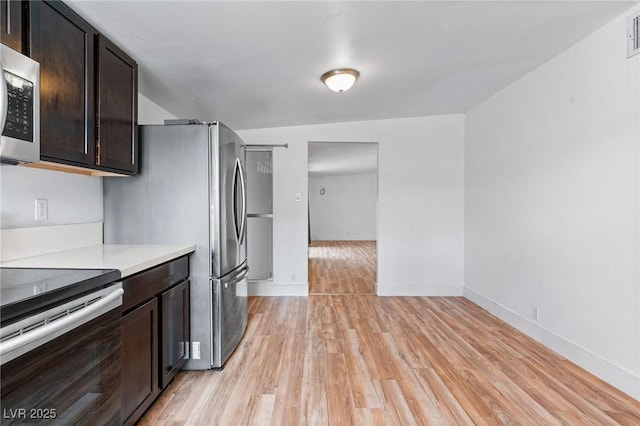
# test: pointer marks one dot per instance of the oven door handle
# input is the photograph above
(47, 329)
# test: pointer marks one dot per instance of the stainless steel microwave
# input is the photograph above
(19, 107)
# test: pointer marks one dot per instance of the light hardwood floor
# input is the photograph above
(342, 267)
(364, 360)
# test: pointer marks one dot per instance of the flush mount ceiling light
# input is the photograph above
(340, 80)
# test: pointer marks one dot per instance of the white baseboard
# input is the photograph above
(275, 289)
(618, 377)
(420, 290)
(266, 288)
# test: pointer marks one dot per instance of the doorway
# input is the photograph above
(343, 217)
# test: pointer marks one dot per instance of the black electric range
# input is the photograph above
(27, 291)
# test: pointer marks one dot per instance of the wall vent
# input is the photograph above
(633, 35)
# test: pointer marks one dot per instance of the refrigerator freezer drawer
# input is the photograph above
(229, 313)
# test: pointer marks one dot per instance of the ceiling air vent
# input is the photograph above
(633, 35)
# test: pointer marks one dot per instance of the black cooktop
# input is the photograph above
(27, 291)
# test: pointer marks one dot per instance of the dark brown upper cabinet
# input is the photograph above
(117, 107)
(63, 44)
(88, 95)
(12, 17)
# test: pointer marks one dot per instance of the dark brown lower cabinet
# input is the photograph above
(175, 331)
(139, 360)
(155, 333)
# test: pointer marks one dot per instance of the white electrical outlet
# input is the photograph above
(535, 314)
(298, 196)
(196, 350)
(42, 209)
(293, 277)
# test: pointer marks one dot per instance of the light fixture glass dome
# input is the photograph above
(340, 80)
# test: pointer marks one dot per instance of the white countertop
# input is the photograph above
(129, 259)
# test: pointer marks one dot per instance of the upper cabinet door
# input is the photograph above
(11, 24)
(63, 44)
(117, 108)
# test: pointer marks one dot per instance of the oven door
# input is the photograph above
(73, 378)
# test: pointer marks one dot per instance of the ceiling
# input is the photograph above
(258, 64)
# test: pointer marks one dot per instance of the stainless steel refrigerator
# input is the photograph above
(191, 190)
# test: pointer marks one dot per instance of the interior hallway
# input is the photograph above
(342, 267)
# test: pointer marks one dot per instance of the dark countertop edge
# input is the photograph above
(16, 311)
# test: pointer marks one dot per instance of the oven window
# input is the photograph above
(74, 378)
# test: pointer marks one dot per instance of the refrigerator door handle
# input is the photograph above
(244, 202)
(235, 205)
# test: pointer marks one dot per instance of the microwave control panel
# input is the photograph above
(19, 122)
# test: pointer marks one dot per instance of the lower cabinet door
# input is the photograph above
(140, 360)
(175, 331)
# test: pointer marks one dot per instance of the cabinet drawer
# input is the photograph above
(149, 283)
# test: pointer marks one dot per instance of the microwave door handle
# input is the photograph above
(4, 99)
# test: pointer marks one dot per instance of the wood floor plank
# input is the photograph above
(370, 417)
(396, 409)
(449, 409)
(264, 410)
(288, 406)
(362, 388)
(339, 396)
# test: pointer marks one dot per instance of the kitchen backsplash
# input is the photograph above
(27, 242)
(70, 198)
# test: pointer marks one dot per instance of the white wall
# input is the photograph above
(348, 208)
(150, 112)
(420, 196)
(72, 198)
(552, 205)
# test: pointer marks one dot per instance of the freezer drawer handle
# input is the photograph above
(239, 277)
